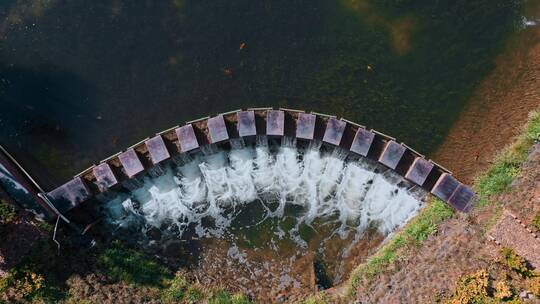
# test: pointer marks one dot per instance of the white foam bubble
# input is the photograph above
(218, 184)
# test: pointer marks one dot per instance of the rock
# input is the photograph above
(525, 294)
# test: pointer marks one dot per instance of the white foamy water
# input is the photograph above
(216, 185)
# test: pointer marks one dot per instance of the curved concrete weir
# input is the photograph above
(259, 198)
(122, 169)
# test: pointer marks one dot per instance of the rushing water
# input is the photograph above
(260, 200)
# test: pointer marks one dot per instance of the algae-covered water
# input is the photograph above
(81, 80)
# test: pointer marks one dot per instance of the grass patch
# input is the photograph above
(179, 290)
(414, 234)
(131, 266)
(7, 212)
(507, 166)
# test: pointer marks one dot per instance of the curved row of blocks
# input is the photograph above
(119, 169)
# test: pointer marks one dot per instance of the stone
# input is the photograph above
(305, 126)
(462, 198)
(392, 154)
(70, 194)
(217, 129)
(445, 187)
(246, 123)
(186, 138)
(131, 163)
(362, 141)
(419, 171)
(157, 149)
(104, 176)
(334, 131)
(275, 123)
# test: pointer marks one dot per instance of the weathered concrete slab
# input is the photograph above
(275, 123)
(445, 187)
(334, 131)
(305, 126)
(392, 154)
(362, 141)
(419, 171)
(70, 194)
(217, 129)
(104, 176)
(462, 198)
(510, 232)
(186, 138)
(246, 123)
(157, 149)
(131, 163)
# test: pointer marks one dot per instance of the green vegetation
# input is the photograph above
(494, 284)
(133, 267)
(42, 277)
(536, 221)
(7, 212)
(515, 262)
(320, 298)
(414, 234)
(471, 288)
(507, 166)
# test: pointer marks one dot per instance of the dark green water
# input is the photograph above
(81, 80)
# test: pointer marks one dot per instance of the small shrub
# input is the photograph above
(536, 221)
(240, 298)
(194, 294)
(7, 212)
(133, 267)
(515, 262)
(471, 288)
(27, 284)
(176, 290)
(321, 298)
(220, 297)
(534, 286)
(503, 291)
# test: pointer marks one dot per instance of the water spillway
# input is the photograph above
(262, 200)
(124, 169)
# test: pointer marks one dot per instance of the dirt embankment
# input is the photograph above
(460, 247)
(497, 108)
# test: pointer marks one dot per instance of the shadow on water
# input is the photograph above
(38, 110)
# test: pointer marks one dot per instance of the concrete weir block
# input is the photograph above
(157, 149)
(275, 123)
(334, 131)
(186, 138)
(131, 163)
(392, 154)
(462, 198)
(362, 141)
(217, 129)
(246, 123)
(70, 194)
(104, 176)
(445, 187)
(305, 126)
(419, 171)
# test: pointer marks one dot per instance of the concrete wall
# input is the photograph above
(123, 168)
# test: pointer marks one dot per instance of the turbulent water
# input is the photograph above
(264, 208)
(218, 184)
